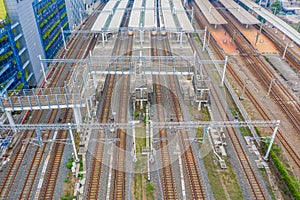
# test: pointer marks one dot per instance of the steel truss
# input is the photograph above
(130, 125)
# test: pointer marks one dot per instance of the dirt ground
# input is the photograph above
(263, 44)
(224, 40)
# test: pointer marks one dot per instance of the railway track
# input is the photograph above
(55, 159)
(118, 187)
(265, 74)
(190, 164)
(168, 185)
(256, 189)
(289, 149)
(291, 56)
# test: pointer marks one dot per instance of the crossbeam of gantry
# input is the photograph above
(131, 125)
(212, 15)
(274, 20)
(160, 65)
(136, 20)
(164, 65)
(40, 102)
(242, 15)
(184, 21)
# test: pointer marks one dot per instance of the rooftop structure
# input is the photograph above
(135, 19)
(101, 21)
(167, 15)
(118, 13)
(239, 13)
(150, 15)
(184, 21)
(212, 15)
(273, 19)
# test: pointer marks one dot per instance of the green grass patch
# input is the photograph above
(292, 185)
(70, 163)
(150, 190)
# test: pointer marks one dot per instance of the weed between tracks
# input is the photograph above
(224, 183)
(142, 188)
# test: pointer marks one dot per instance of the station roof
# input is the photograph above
(242, 15)
(150, 15)
(103, 16)
(274, 20)
(184, 21)
(169, 22)
(117, 18)
(111, 16)
(211, 15)
(135, 17)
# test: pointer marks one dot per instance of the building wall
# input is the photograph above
(76, 12)
(51, 16)
(12, 74)
(22, 12)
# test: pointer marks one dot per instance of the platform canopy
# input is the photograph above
(242, 15)
(212, 15)
(274, 20)
(111, 16)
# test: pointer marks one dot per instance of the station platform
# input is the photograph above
(273, 19)
(212, 15)
(263, 44)
(243, 16)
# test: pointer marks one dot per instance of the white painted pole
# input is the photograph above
(181, 39)
(243, 91)
(205, 32)
(103, 42)
(63, 37)
(10, 119)
(269, 90)
(286, 46)
(73, 144)
(134, 144)
(224, 70)
(208, 39)
(42, 65)
(272, 140)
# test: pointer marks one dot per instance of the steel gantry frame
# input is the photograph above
(158, 125)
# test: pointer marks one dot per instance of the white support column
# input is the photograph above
(95, 80)
(141, 36)
(42, 65)
(208, 39)
(88, 108)
(73, 145)
(134, 144)
(199, 106)
(103, 38)
(10, 119)
(269, 90)
(243, 91)
(204, 40)
(272, 140)
(63, 37)
(151, 141)
(181, 39)
(286, 46)
(224, 70)
(78, 119)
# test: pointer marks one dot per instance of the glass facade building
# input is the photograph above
(51, 18)
(12, 74)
